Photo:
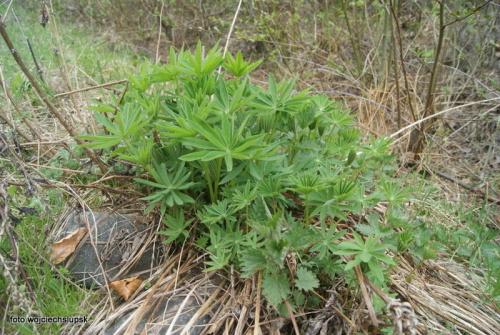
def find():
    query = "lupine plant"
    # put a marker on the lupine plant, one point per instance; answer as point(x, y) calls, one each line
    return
point(274, 171)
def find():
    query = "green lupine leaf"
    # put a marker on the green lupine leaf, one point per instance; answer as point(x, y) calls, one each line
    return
point(100, 141)
point(352, 264)
point(233, 174)
point(174, 131)
point(149, 183)
point(177, 225)
point(229, 162)
point(248, 143)
point(102, 107)
point(211, 155)
point(384, 258)
point(365, 256)
point(209, 133)
point(194, 156)
point(169, 187)
point(376, 270)
point(237, 66)
point(358, 238)
point(326, 240)
point(151, 206)
point(218, 261)
point(110, 126)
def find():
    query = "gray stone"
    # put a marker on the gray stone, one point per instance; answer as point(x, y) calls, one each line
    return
point(119, 239)
point(166, 312)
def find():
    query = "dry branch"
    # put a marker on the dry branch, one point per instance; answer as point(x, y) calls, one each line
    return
point(44, 98)
point(116, 82)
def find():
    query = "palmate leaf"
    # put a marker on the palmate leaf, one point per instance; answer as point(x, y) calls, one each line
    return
point(393, 193)
point(326, 204)
point(198, 64)
point(217, 212)
point(237, 66)
point(169, 187)
point(140, 153)
point(378, 147)
point(128, 123)
point(369, 252)
point(279, 98)
point(220, 142)
point(326, 241)
point(219, 260)
point(229, 104)
point(165, 72)
point(306, 183)
point(179, 129)
point(242, 199)
point(337, 117)
point(374, 229)
point(376, 271)
point(177, 225)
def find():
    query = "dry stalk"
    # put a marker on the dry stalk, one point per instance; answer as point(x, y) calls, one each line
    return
point(292, 317)
point(157, 58)
point(366, 297)
point(116, 82)
point(226, 303)
point(246, 297)
point(349, 321)
point(43, 96)
point(396, 70)
point(433, 294)
point(417, 144)
point(416, 123)
point(8, 120)
point(401, 59)
point(256, 329)
point(63, 67)
point(202, 310)
point(181, 308)
point(139, 314)
point(231, 31)
point(61, 143)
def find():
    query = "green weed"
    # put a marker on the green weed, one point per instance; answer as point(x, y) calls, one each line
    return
point(244, 151)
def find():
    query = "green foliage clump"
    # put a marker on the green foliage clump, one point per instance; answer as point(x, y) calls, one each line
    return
point(270, 172)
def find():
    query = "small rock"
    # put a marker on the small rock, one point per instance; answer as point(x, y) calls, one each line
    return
point(164, 316)
point(118, 239)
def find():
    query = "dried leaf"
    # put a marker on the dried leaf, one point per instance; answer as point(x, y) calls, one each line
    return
point(63, 248)
point(126, 287)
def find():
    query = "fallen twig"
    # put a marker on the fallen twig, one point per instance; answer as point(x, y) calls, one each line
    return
point(45, 99)
point(91, 88)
